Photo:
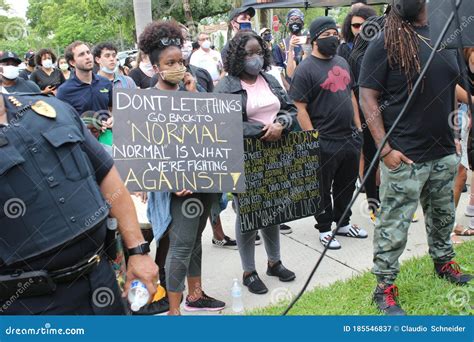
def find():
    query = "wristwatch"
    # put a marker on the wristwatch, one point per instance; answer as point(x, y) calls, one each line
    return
point(142, 249)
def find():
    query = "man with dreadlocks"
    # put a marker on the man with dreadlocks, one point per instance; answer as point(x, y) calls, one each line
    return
point(419, 161)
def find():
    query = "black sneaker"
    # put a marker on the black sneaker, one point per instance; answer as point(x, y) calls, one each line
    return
point(280, 271)
point(284, 229)
point(258, 240)
point(385, 297)
point(226, 243)
point(254, 283)
point(452, 273)
point(205, 303)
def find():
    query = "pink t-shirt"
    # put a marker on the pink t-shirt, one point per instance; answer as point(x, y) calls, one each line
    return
point(262, 105)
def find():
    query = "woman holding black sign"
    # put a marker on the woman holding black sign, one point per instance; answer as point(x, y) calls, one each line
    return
point(182, 215)
point(267, 113)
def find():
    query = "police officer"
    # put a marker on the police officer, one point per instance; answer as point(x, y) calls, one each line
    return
point(57, 188)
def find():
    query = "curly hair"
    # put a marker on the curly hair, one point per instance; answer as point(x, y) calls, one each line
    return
point(43, 52)
point(234, 63)
point(364, 12)
point(150, 41)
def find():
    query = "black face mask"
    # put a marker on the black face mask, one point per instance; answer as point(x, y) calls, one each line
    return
point(31, 62)
point(295, 27)
point(267, 37)
point(328, 46)
point(408, 9)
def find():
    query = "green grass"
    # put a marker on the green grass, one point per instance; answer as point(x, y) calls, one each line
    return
point(421, 292)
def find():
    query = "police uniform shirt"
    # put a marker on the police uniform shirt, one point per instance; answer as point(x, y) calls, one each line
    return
point(84, 97)
point(100, 160)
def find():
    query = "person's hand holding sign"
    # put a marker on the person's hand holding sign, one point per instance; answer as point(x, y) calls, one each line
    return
point(183, 193)
point(272, 132)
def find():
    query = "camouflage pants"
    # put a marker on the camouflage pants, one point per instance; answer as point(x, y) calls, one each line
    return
point(431, 183)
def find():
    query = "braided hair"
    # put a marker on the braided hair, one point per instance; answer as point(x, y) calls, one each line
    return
point(401, 43)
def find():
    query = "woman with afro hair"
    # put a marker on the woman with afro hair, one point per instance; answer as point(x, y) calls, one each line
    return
point(267, 113)
point(352, 27)
point(162, 41)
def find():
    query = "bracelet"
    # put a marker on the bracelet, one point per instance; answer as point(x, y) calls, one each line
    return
point(386, 154)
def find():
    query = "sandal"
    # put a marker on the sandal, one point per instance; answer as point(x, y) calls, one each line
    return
point(461, 231)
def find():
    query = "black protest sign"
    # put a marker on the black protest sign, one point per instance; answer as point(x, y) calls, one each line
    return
point(283, 181)
point(171, 141)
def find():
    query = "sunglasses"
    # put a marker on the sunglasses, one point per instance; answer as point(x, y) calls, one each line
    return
point(170, 42)
point(357, 25)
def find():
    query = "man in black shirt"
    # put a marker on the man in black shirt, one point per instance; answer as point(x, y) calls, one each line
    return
point(419, 162)
point(30, 65)
point(322, 91)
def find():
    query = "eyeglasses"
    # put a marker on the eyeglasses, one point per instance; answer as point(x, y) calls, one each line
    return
point(170, 41)
point(357, 25)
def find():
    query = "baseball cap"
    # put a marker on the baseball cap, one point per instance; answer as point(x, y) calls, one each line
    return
point(235, 12)
point(6, 55)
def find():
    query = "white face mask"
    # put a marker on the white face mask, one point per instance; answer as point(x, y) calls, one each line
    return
point(206, 44)
point(63, 66)
point(187, 49)
point(147, 68)
point(48, 63)
point(11, 72)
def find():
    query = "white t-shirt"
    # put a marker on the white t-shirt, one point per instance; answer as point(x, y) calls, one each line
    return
point(211, 61)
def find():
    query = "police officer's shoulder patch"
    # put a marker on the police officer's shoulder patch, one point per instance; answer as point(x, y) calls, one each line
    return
point(44, 109)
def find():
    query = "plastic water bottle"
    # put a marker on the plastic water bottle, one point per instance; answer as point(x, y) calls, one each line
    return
point(138, 295)
point(237, 305)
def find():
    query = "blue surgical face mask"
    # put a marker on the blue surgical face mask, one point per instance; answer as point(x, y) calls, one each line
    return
point(245, 26)
point(109, 71)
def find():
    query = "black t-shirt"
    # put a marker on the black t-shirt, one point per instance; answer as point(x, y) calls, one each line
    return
point(23, 86)
point(44, 80)
point(344, 50)
point(140, 78)
point(326, 86)
point(25, 74)
point(424, 133)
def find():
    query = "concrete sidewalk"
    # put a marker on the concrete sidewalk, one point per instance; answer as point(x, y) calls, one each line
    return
point(300, 251)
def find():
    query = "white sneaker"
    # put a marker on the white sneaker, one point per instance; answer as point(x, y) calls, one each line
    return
point(325, 241)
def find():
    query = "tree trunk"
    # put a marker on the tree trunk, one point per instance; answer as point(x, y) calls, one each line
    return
point(192, 26)
point(142, 10)
point(264, 19)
